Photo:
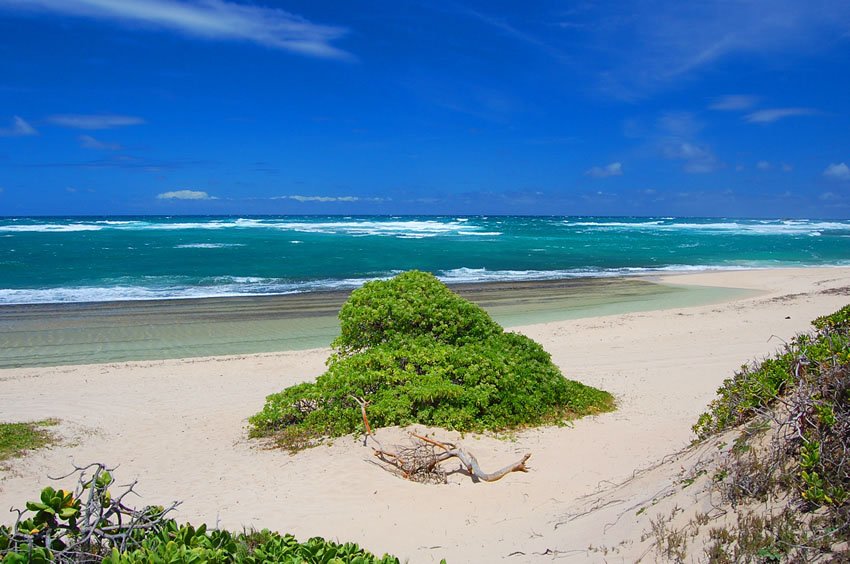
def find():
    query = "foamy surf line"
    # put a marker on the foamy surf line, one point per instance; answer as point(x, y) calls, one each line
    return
point(426, 227)
point(236, 286)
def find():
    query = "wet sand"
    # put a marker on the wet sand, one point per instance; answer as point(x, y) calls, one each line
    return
point(65, 334)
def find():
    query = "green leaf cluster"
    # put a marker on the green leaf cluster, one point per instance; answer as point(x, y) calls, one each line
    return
point(187, 545)
point(419, 353)
point(34, 539)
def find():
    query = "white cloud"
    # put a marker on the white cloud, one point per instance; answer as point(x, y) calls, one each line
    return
point(613, 169)
point(786, 167)
point(185, 195)
point(775, 114)
point(734, 102)
point(210, 19)
point(837, 171)
point(763, 165)
point(19, 128)
point(90, 142)
point(94, 121)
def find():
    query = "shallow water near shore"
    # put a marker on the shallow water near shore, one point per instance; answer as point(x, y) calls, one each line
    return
point(89, 333)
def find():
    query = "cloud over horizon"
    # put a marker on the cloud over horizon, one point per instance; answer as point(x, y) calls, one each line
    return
point(209, 19)
point(185, 195)
point(612, 169)
point(837, 171)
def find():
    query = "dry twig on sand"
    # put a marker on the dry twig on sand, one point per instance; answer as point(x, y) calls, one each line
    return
point(421, 460)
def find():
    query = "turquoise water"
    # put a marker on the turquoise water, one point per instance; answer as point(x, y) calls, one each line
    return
point(54, 260)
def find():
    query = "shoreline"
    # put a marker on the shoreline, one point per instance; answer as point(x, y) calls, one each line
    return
point(178, 426)
point(98, 332)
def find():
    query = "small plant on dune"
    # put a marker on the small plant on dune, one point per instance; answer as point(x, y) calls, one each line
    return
point(90, 524)
point(799, 402)
point(419, 353)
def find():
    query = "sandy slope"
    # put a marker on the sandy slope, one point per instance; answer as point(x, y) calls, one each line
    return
point(179, 428)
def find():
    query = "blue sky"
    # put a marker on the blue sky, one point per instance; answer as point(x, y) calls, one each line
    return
point(637, 107)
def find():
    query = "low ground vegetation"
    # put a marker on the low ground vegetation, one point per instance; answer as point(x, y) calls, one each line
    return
point(784, 479)
point(19, 438)
point(92, 523)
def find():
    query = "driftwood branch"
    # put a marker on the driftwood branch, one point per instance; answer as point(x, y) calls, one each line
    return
point(420, 461)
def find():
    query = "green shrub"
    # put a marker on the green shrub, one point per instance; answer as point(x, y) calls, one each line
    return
point(412, 304)
point(418, 353)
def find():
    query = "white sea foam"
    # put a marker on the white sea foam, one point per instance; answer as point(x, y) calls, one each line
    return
point(209, 245)
point(217, 287)
point(228, 286)
point(50, 228)
point(473, 275)
point(396, 227)
point(755, 227)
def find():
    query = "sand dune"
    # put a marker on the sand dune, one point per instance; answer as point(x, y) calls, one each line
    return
point(178, 426)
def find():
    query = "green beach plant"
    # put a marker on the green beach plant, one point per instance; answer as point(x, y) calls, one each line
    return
point(416, 352)
point(90, 524)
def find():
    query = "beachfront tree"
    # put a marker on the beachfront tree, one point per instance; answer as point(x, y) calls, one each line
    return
point(415, 352)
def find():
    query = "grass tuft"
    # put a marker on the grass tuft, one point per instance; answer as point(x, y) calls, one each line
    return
point(18, 438)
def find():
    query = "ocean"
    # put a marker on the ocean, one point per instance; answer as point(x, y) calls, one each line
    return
point(95, 259)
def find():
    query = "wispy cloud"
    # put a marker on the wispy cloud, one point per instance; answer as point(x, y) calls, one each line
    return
point(299, 198)
point(644, 46)
point(509, 30)
point(94, 121)
point(775, 114)
point(678, 133)
point(185, 195)
point(210, 19)
point(699, 159)
point(838, 171)
point(763, 165)
point(734, 102)
point(613, 169)
point(19, 128)
point(89, 142)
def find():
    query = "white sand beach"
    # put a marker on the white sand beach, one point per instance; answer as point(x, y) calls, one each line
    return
point(179, 428)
